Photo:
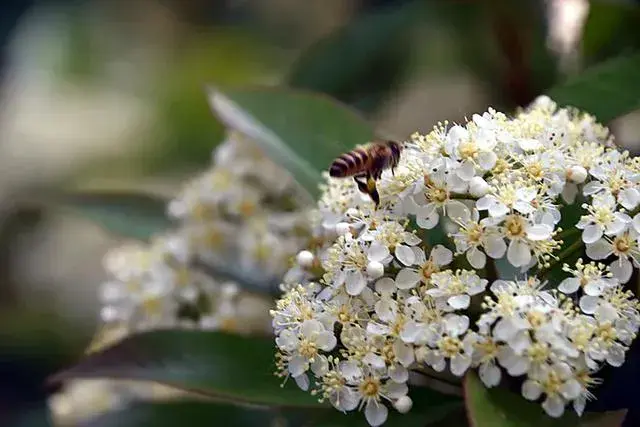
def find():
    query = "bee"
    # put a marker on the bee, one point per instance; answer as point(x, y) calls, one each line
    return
point(366, 163)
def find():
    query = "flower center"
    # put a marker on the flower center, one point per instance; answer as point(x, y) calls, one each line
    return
point(344, 315)
point(474, 233)
point(535, 171)
point(488, 349)
point(607, 333)
point(152, 306)
point(552, 384)
point(388, 354)
point(603, 215)
point(468, 150)
point(308, 348)
point(202, 212)
point(437, 195)
point(538, 352)
point(450, 346)
point(514, 226)
point(370, 388)
point(427, 270)
point(247, 208)
point(535, 318)
point(622, 245)
point(501, 166)
point(213, 238)
point(616, 184)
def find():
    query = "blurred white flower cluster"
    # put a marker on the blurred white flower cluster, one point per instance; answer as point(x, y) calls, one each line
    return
point(372, 299)
point(244, 216)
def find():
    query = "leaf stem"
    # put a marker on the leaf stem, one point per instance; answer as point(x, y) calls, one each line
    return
point(578, 244)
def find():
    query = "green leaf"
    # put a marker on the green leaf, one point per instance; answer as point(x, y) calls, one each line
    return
point(170, 414)
point(611, 28)
point(301, 131)
point(607, 90)
point(129, 214)
point(498, 407)
point(211, 363)
point(229, 368)
point(364, 61)
point(251, 280)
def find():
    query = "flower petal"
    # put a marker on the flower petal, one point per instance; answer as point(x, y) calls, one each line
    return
point(405, 254)
point(459, 364)
point(518, 253)
point(495, 246)
point(489, 374)
point(531, 390)
point(539, 232)
point(622, 269)
point(377, 252)
point(385, 285)
point(476, 258)
point(375, 413)
point(459, 302)
point(355, 283)
point(569, 285)
point(553, 406)
point(592, 233)
point(407, 278)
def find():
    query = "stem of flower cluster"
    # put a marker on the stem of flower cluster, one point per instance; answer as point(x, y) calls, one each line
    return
point(575, 246)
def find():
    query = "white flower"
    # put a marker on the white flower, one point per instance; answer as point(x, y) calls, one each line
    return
point(437, 197)
point(453, 291)
point(602, 219)
point(452, 344)
point(439, 257)
point(557, 383)
point(476, 237)
point(371, 390)
point(303, 347)
point(485, 353)
point(624, 246)
point(592, 278)
point(507, 198)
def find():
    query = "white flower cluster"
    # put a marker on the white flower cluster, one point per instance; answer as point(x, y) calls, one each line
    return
point(242, 212)
point(376, 294)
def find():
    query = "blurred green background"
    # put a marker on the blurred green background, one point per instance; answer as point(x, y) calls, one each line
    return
point(109, 94)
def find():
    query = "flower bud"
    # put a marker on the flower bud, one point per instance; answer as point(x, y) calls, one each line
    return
point(478, 187)
point(403, 404)
point(305, 259)
point(577, 174)
point(342, 228)
point(375, 269)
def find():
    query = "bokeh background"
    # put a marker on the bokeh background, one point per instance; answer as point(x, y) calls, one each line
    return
point(109, 94)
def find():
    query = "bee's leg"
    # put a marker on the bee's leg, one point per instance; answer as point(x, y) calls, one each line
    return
point(372, 190)
point(362, 185)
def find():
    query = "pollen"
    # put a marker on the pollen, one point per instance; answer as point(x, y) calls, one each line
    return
point(370, 388)
point(450, 346)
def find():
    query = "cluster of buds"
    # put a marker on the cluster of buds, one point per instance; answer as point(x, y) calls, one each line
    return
point(414, 283)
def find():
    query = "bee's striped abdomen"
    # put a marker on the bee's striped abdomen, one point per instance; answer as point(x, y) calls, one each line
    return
point(349, 163)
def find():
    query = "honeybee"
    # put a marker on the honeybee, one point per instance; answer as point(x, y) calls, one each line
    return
point(366, 163)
